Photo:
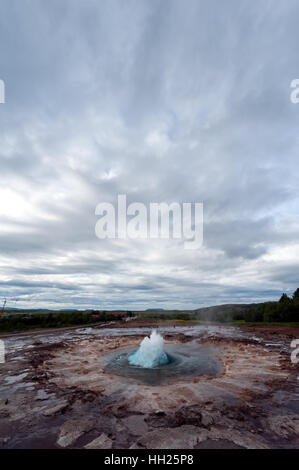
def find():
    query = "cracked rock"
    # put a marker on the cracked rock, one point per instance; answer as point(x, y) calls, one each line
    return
point(101, 442)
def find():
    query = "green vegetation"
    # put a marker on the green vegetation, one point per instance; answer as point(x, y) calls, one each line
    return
point(167, 315)
point(284, 311)
point(26, 320)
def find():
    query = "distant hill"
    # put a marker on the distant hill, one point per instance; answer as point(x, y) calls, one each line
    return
point(286, 309)
point(227, 311)
point(154, 309)
point(213, 313)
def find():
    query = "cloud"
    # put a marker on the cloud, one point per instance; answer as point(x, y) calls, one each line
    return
point(161, 101)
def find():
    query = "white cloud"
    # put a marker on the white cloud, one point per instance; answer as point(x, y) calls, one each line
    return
point(164, 102)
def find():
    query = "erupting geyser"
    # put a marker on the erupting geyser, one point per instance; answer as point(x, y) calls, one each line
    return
point(150, 353)
point(151, 364)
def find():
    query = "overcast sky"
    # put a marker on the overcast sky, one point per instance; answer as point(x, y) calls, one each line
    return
point(162, 100)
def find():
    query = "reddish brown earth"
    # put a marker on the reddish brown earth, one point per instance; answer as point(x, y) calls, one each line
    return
point(273, 331)
point(61, 395)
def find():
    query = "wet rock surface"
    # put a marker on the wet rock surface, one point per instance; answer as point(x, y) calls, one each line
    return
point(102, 442)
point(71, 430)
point(55, 392)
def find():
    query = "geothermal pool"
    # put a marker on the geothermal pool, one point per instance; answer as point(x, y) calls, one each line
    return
point(154, 363)
point(90, 387)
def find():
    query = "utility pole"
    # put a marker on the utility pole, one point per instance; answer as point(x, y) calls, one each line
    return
point(3, 307)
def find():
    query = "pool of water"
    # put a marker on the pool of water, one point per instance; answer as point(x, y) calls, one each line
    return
point(188, 359)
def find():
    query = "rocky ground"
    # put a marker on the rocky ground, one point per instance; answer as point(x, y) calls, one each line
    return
point(56, 392)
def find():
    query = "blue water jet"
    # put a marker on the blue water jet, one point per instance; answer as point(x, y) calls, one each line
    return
point(150, 353)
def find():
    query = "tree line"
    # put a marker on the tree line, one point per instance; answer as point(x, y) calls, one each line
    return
point(60, 319)
point(286, 309)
